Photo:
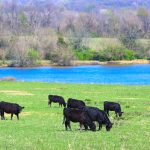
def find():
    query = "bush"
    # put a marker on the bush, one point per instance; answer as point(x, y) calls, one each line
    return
point(32, 56)
point(116, 54)
point(142, 52)
point(61, 54)
point(86, 54)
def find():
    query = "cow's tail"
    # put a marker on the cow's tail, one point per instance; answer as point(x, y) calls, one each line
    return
point(64, 120)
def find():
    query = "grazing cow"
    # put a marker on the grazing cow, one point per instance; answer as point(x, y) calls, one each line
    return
point(77, 115)
point(98, 115)
point(112, 106)
point(74, 103)
point(56, 99)
point(10, 108)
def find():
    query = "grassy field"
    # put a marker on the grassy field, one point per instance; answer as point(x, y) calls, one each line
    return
point(40, 127)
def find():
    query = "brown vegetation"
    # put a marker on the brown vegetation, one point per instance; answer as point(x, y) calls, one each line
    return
point(31, 33)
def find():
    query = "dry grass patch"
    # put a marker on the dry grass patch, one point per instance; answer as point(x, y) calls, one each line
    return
point(13, 92)
point(128, 98)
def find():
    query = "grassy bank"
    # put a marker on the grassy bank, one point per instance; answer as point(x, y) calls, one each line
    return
point(90, 62)
point(40, 127)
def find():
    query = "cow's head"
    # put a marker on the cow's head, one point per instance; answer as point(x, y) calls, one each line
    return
point(21, 108)
point(93, 127)
point(64, 104)
point(120, 114)
point(109, 126)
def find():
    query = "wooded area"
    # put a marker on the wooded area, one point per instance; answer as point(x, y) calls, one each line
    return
point(29, 33)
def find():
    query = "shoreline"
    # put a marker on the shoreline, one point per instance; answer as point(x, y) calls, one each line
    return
point(119, 62)
point(46, 63)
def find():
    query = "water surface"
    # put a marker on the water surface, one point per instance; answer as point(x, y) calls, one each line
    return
point(132, 74)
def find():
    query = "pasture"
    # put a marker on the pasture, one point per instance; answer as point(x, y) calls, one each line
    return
point(40, 127)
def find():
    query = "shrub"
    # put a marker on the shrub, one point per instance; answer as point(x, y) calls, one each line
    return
point(86, 53)
point(142, 52)
point(61, 54)
point(118, 53)
point(32, 56)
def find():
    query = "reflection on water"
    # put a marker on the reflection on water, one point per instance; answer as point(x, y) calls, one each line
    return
point(134, 74)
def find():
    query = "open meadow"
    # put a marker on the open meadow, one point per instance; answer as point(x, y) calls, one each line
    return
point(40, 127)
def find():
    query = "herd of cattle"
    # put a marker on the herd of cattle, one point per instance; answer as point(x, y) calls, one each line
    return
point(76, 111)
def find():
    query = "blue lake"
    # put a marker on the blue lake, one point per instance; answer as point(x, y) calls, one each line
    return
point(131, 75)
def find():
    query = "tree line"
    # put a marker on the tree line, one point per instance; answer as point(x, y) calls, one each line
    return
point(30, 33)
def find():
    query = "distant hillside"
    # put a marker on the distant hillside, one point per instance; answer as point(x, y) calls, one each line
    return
point(87, 5)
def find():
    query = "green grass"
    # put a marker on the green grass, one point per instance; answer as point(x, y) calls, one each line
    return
point(40, 127)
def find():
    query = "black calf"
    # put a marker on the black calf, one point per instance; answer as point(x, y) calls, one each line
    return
point(10, 108)
point(112, 106)
point(56, 99)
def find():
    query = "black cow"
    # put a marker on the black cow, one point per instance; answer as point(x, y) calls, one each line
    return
point(74, 103)
point(10, 108)
point(77, 115)
point(112, 106)
point(98, 115)
point(56, 99)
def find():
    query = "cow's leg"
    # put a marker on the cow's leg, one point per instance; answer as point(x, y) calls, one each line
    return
point(108, 113)
point(91, 125)
point(11, 116)
point(99, 122)
point(69, 125)
point(66, 125)
point(81, 124)
point(2, 115)
point(100, 125)
point(50, 104)
point(17, 116)
point(116, 114)
point(85, 126)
